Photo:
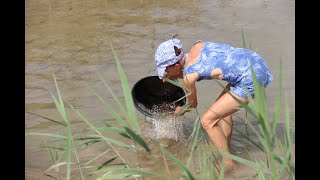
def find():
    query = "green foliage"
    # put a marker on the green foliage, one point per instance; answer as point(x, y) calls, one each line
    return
point(127, 131)
point(179, 163)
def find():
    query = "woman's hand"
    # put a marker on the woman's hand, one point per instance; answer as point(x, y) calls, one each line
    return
point(178, 111)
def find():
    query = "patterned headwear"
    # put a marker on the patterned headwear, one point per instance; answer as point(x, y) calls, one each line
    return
point(166, 56)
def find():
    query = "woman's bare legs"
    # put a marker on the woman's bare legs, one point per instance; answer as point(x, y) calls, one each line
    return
point(220, 133)
point(226, 123)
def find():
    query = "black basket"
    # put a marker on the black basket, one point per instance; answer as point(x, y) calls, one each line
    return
point(151, 92)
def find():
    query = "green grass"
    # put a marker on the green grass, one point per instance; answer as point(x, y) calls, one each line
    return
point(127, 137)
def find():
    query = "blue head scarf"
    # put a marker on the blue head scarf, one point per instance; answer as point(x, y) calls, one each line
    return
point(166, 56)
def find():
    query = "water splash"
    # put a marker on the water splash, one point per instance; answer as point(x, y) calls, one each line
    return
point(163, 109)
point(164, 127)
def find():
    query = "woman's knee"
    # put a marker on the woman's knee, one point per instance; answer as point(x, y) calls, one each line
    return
point(207, 121)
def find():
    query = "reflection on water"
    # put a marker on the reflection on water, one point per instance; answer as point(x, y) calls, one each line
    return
point(72, 40)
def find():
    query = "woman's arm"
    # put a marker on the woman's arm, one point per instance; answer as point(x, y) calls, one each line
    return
point(189, 82)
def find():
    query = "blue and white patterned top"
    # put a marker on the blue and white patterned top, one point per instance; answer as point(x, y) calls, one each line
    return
point(235, 66)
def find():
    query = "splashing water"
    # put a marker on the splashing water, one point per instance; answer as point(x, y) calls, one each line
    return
point(163, 109)
point(164, 127)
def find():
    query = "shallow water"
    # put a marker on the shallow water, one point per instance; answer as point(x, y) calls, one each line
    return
point(72, 40)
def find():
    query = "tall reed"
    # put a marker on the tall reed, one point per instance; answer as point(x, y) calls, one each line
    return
point(277, 152)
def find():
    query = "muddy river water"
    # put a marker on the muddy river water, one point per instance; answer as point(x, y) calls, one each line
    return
point(71, 38)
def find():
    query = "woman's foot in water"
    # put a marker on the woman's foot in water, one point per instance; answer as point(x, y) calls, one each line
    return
point(229, 165)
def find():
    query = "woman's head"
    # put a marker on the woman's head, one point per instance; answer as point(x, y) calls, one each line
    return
point(167, 54)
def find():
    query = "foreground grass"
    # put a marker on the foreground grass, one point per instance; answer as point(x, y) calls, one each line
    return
point(127, 137)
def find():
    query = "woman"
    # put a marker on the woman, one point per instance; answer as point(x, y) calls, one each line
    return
point(209, 60)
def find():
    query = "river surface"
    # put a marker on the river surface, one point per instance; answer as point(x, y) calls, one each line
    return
point(72, 40)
